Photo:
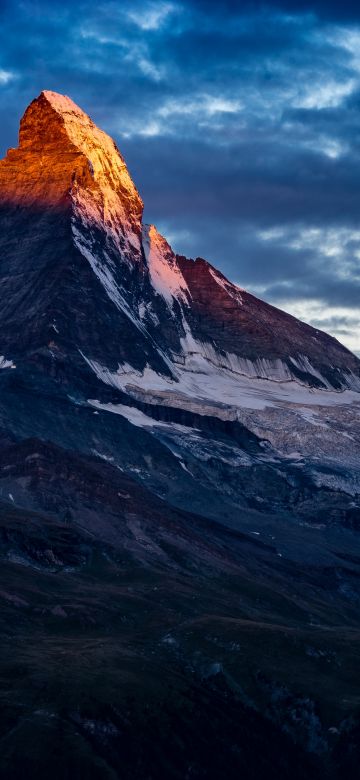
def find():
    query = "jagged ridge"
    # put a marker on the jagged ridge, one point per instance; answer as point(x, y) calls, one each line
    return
point(97, 286)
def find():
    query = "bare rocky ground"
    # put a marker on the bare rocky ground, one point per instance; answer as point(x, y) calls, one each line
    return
point(139, 640)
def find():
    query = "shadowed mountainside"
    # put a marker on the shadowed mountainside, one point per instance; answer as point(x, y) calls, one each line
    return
point(179, 496)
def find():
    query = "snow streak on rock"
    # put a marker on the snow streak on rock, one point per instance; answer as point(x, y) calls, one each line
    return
point(165, 275)
point(6, 363)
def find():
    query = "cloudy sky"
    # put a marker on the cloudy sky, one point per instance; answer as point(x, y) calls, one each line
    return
point(240, 123)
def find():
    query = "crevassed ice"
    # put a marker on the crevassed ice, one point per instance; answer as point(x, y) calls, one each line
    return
point(348, 379)
point(208, 383)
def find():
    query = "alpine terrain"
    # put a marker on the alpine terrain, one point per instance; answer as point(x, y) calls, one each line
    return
point(179, 495)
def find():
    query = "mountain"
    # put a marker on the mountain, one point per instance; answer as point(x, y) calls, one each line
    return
point(179, 494)
point(67, 191)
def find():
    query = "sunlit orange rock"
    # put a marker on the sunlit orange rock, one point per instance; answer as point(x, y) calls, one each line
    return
point(89, 284)
point(61, 151)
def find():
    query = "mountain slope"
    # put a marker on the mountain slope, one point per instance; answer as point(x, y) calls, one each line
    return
point(68, 191)
point(126, 622)
point(179, 495)
point(100, 317)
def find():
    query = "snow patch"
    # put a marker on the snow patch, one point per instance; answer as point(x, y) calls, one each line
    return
point(198, 354)
point(146, 313)
point(6, 363)
point(311, 417)
point(230, 288)
point(105, 274)
point(138, 418)
point(219, 387)
point(166, 277)
point(108, 458)
point(133, 415)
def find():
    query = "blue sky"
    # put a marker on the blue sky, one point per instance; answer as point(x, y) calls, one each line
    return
point(240, 123)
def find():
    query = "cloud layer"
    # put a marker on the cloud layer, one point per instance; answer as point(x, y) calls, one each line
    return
point(239, 122)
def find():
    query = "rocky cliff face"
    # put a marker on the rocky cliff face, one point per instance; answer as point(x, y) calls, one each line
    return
point(61, 151)
point(88, 283)
point(268, 342)
point(97, 308)
point(67, 198)
point(179, 495)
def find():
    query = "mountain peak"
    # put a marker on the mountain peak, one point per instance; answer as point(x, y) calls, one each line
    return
point(64, 160)
point(62, 103)
point(52, 115)
point(67, 192)
point(54, 125)
point(50, 122)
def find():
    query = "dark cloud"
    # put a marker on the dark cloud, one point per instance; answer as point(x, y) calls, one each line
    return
point(239, 122)
point(324, 9)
